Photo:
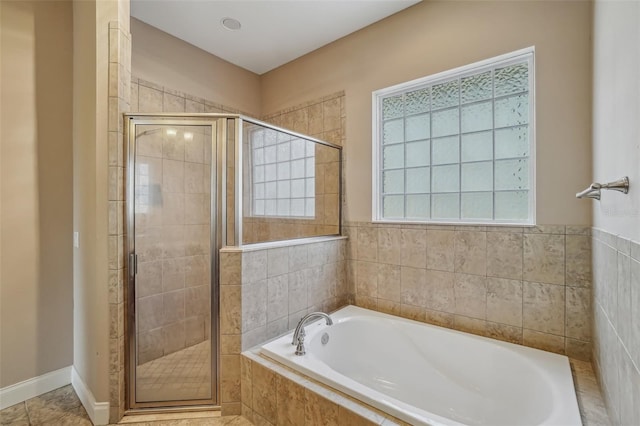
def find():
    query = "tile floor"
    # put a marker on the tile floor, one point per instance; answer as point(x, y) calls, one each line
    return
point(62, 407)
point(185, 374)
point(58, 407)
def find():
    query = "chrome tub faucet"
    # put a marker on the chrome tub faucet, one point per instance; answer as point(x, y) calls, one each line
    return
point(299, 334)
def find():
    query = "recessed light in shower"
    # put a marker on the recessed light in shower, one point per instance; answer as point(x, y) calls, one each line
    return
point(231, 24)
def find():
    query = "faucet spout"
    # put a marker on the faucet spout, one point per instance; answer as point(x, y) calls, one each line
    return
point(593, 191)
point(299, 333)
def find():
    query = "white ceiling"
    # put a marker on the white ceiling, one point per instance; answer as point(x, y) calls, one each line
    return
point(273, 32)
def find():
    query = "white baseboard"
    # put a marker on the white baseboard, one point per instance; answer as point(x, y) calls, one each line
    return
point(97, 411)
point(14, 394)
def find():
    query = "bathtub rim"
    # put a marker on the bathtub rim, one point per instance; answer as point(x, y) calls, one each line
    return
point(356, 406)
point(560, 363)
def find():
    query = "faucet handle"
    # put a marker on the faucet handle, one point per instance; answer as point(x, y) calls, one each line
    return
point(300, 350)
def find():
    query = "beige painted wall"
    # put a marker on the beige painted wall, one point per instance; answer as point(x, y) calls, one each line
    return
point(616, 108)
point(36, 283)
point(436, 36)
point(170, 62)
point(90, 184)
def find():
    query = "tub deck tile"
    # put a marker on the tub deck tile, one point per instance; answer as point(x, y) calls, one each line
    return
point(593, 410)
point(322, 405)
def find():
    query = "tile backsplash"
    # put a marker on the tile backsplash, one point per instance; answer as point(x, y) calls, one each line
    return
point(526, 285)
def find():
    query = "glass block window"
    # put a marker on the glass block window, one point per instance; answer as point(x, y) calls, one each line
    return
point(457, 146)
point(283, 174)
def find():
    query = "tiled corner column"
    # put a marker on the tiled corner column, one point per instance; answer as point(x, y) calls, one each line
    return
point(119, 98)
point(526, 285)
point(265, 291)
point(616, 324)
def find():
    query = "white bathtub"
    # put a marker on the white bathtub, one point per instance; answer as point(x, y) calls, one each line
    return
point(428, 375)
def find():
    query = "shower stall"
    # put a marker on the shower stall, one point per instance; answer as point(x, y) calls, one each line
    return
point(196, 183)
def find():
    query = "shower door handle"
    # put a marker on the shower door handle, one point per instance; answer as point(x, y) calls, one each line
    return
point(133, 264)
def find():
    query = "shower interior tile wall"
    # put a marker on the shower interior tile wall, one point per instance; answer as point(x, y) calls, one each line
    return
point(172, 242)
point(172, 236)
point(530, 286)
point(150, 97)
point(616, 350)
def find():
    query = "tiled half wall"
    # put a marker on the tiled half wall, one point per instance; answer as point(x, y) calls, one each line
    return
point(526, 285)
point(616, 337)
point(266, 291)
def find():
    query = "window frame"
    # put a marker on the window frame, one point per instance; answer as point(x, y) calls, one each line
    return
point(518, 56)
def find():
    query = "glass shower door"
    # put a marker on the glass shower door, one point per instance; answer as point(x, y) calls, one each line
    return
point(173, 347)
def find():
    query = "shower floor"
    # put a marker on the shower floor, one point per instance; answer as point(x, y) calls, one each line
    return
point(182, 375)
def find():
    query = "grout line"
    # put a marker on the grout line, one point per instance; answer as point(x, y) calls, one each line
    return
point(27, 411)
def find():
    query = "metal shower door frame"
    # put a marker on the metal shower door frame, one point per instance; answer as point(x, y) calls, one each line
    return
point(218, 124)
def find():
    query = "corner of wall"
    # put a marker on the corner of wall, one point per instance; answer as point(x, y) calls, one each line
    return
point(98, 411)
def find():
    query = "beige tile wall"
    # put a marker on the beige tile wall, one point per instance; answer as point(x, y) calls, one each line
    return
point(265, 292)
point(322, 119)
point(147, 96)
point(616, 324)
point(530, 285)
